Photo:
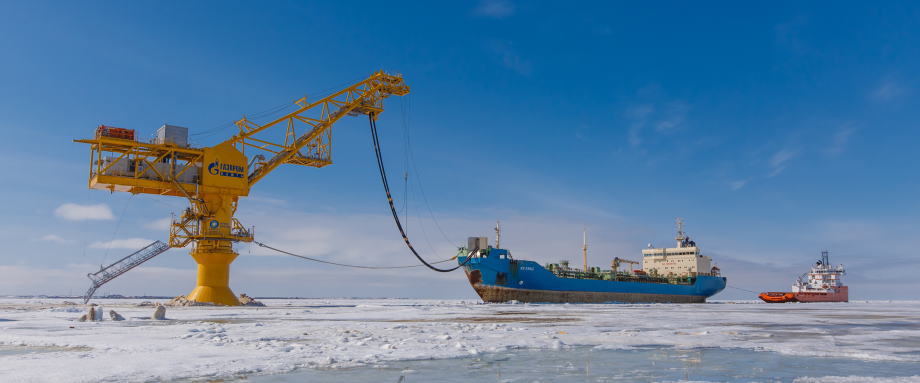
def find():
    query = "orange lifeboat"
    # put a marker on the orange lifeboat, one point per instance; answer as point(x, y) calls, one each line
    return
point(777, 297)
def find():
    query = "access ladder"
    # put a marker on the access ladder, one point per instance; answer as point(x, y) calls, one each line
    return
point(121, 266)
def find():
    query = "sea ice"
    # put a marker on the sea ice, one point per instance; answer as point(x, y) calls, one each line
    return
point(286, 335)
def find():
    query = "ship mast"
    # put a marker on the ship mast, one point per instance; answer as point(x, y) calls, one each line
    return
point(680, 232)
point(584, 248)
point(498, 234)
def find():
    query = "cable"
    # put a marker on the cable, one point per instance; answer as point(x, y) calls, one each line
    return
point(418, 177)
point(267, 112)
point(344, 264)
point(117, 226)
point(738, 288)
point(406, 166)
point(386, 188)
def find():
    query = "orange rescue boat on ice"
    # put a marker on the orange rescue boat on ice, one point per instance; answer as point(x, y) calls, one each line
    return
point(777, 297)
point(822, 284)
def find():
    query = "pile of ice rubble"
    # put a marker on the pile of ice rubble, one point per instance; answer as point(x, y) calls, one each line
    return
point(181, 300)
point(95, 312)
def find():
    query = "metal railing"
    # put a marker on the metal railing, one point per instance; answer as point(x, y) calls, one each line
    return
point(121, 266)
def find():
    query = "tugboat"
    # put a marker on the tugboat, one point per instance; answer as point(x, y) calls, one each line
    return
point(678, 274)
point(822, 284)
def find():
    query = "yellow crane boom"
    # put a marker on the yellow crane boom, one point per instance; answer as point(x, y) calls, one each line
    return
point(213, 178)
point(363, 98)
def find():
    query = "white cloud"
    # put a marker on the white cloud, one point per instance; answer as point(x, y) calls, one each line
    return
point(736, 185)
point(75, 212)
point(160, 224)
point(780, 159)
point(751, 261)
point(839, 141)
point(71, 280)
point(888, 90)
point(54, 238)
point(638, 115)
point(511, 59)
point(127, 243)
point(672, 117)
point(368, 239)
point(658, 117)
point(31, 280)
point(496, 9)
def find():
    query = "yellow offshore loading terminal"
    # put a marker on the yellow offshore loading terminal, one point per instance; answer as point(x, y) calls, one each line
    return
point(214, 178)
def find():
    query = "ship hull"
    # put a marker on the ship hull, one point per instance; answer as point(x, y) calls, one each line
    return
point(498, 294)
point(841, 295)
point(503, 279)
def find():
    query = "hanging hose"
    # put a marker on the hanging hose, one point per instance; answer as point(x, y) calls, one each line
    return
point(344, 264)
point(386, 188)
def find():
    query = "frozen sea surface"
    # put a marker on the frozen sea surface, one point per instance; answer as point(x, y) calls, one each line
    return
point(584, 364)
point(433, 340)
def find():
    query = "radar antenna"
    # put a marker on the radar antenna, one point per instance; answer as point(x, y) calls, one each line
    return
point(680, 232)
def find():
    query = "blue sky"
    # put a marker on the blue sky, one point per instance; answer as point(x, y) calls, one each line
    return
point(776, 131)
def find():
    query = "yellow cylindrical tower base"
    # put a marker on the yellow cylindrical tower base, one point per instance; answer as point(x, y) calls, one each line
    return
point(213, 285)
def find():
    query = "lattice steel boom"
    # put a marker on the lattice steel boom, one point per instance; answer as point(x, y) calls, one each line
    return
point(214, 178)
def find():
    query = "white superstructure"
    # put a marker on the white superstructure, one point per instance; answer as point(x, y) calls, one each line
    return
point(680, 261)
point(823, 278)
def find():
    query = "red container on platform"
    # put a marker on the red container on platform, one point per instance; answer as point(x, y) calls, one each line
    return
point(111, 131)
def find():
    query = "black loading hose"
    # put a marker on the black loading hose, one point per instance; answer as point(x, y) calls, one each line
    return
point(386, 188)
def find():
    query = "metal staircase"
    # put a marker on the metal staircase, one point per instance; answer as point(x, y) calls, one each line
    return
point(121, 266)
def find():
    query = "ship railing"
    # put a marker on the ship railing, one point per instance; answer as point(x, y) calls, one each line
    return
point(578, 274)
point(707, 274)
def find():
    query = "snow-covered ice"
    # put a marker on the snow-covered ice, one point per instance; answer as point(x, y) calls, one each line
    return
point(40, 339)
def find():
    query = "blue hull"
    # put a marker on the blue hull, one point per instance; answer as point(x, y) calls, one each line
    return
point(498, 278)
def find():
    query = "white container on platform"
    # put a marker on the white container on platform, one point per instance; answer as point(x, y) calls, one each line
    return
point(172, 134)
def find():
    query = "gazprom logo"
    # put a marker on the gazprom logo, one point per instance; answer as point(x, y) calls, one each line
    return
point(227, 170)
point(214, 168)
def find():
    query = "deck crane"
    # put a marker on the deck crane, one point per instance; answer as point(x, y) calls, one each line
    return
point(615, 264)
point(213, 179)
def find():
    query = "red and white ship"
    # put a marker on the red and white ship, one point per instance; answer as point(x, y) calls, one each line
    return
point(822, 284)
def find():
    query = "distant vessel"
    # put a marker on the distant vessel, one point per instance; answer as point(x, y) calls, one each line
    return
point(675, 275)
point(822, 284)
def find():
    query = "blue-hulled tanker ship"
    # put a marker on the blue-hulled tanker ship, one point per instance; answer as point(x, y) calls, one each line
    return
point(667, 275)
